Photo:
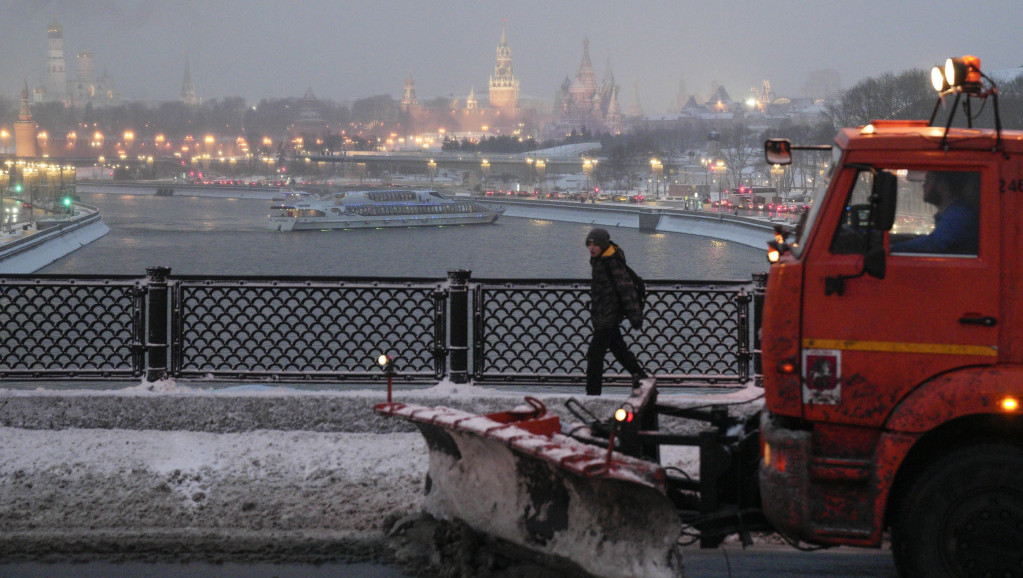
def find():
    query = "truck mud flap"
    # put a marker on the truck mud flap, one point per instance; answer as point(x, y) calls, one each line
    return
point(514, 476)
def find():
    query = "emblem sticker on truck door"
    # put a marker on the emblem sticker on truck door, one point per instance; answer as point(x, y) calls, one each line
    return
point(822, 376)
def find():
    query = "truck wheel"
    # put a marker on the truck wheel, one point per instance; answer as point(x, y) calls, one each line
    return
point(963, 516)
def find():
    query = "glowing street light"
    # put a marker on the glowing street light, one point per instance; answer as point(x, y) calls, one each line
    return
point(658, 169)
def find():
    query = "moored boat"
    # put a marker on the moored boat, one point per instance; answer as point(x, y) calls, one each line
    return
point(299, 210)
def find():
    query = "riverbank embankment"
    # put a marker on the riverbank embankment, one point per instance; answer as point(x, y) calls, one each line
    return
point(34, 246)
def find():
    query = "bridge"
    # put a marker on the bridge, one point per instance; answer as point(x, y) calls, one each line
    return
point(526, 167)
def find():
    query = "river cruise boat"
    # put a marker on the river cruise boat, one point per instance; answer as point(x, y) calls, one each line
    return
point(301, 211)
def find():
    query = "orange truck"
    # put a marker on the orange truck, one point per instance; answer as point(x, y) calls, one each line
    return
point(892, 368)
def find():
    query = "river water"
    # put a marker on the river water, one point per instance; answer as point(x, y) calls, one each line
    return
point(217, 236)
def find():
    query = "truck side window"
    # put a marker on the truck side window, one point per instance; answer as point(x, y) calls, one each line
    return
point(938, 212)
point(852, 232)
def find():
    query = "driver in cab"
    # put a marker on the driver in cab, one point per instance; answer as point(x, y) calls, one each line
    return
point(957, 223)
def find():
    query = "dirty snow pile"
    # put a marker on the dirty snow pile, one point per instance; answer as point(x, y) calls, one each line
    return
point(259, 494)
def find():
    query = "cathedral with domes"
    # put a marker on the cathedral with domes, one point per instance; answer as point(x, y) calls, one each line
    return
point(584, 105)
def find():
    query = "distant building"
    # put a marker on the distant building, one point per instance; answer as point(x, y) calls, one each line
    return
point(56, 86)
point(310, 122)
point(720, 102)
point(188, 97)
point(409, 100)
point(822, 84)
point(499, 114)
point(582, 104)
point(504, 87)
point(86, 88)
point(25, 129)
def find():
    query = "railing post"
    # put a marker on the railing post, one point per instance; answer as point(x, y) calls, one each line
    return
point(759, 291)
point(458, 345)
point(156, 338)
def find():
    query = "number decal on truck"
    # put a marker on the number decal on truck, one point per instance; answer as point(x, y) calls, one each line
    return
point(1011, 185)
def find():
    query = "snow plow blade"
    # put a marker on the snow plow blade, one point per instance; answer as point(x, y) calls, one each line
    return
point(514, 476)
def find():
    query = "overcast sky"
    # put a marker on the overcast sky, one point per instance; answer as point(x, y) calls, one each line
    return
point(345, 50)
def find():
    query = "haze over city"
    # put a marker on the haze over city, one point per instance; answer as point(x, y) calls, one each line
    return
point(260, 49)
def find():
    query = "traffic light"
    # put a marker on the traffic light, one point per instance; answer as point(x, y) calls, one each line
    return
point(17, 188)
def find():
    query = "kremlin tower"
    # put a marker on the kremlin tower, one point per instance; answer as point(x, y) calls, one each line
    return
point(24, 129)
point(504, 87)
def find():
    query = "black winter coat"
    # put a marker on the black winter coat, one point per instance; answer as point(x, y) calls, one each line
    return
point(613, 296)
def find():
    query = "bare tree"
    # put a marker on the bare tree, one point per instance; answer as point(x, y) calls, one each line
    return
point(889, 96)
point(738, 150)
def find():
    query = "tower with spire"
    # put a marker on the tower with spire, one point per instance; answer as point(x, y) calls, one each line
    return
point(504, 87)
point(188, 97)
point(25, 129)
point(408, 99)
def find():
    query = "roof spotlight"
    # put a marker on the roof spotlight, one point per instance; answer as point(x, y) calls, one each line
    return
point(963, 73)
point(938, 80)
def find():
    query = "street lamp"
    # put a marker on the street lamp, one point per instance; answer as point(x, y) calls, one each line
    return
point(541, 172)
point(484, 170)
point(431, 168)
point(657, 168)
point(776, 173)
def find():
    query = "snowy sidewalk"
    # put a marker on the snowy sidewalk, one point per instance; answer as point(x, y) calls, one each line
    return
point(252, 472)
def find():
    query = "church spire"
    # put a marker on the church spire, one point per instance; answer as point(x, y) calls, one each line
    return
point(409, 98)
point(587, 77)
point(24, 113)
point(187, 87)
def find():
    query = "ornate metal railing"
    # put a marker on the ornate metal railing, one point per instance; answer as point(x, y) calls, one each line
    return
point(71, 327)
point(305, 330)
point(538, 331)
point(289, 329)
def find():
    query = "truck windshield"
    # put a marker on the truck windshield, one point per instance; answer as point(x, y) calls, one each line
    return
point(823, 168)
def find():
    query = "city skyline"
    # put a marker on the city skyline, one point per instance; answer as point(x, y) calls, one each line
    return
point(262, 50)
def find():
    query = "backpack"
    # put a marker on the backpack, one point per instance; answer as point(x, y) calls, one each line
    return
point(640, 286)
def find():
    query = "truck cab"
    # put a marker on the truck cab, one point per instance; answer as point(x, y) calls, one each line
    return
point(892, 351)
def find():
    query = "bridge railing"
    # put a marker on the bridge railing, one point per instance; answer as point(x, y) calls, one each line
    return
point(331, 330)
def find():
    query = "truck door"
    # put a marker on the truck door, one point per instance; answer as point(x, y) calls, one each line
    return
point(867, 341)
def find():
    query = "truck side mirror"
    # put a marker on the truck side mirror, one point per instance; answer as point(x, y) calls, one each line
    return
point(874, 261)
point(883, 196)
point(778, 151)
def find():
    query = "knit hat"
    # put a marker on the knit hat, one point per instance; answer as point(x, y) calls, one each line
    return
point(600, 238)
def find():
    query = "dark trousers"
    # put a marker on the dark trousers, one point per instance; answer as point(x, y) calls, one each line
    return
point(604, 339)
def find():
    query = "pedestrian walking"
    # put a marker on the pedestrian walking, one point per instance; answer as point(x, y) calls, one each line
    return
point(613, 298)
